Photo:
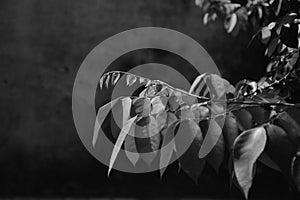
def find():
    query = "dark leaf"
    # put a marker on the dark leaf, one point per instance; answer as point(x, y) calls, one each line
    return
point(280, 149)
point(290, 126)
point(189, 133)
point(141, 106)
point(230, 131)
point(244, 119)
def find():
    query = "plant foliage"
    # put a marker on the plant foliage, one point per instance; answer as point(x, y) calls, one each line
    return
point(255, 128)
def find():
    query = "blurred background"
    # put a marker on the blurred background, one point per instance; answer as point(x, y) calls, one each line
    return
point(42, 45)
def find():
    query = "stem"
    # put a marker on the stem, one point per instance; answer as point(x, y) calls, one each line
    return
point(208, 100)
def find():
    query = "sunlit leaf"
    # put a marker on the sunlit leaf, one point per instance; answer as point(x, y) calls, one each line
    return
point(115, 78)
point(107, 81)
point(230, 23)
point(158, 104)
point(124, 132)
point(130, 79)
point(247, 148)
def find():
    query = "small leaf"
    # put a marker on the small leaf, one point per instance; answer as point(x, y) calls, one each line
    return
point(101, 115)
point(101, 82)
point(189, 133)
point(142, 80)
point(205, 18)
point(230, 23)
point(247, 148)
point(158, 104)
point(141, 106)
point(272, 46)
point(265, 35)
point(107, 81)
point(125, 130)
point(130, 79)
point(115, 78)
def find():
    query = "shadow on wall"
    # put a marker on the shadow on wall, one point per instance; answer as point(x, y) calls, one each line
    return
point(42, 46)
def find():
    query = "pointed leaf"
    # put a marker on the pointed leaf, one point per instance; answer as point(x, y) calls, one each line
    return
point(189, 132)
point(115, 78)
point(130, 147)
point(130, 79)
point(101, 82)
point(107, 80)
point(167, 148)
point(124, 132)
point(280, 149)
point(247, 148)
point(101, 115)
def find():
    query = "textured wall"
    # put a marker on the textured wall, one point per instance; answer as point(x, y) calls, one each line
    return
point(42, 44)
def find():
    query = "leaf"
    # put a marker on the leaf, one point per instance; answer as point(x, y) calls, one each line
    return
point(168, 147)
point(173, 104)
point(290, 126)
point(272, 46)
point(189, 133)
point(230, 131)
point(247, 148)
point(141, 106)
point(216, 156)
point(266, 160)
point(120, 113)
point(205, 18)
point(289, 36)
point(212, 136)
point(280, 149)
point(295, 167)
point(230, 23)
point(101, 115)
point(158, 104)
point(265, 35)
point(244, 119)
point(142, 80)
point(130, 146)
point(259, 114)
point(115, 78)
point(161, 119)
point(101, 81)
point(130, 79)
point(107, 81)
point(147, 139)
point(124, 132)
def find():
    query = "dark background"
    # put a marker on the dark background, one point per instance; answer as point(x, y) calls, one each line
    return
point(42, 45)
